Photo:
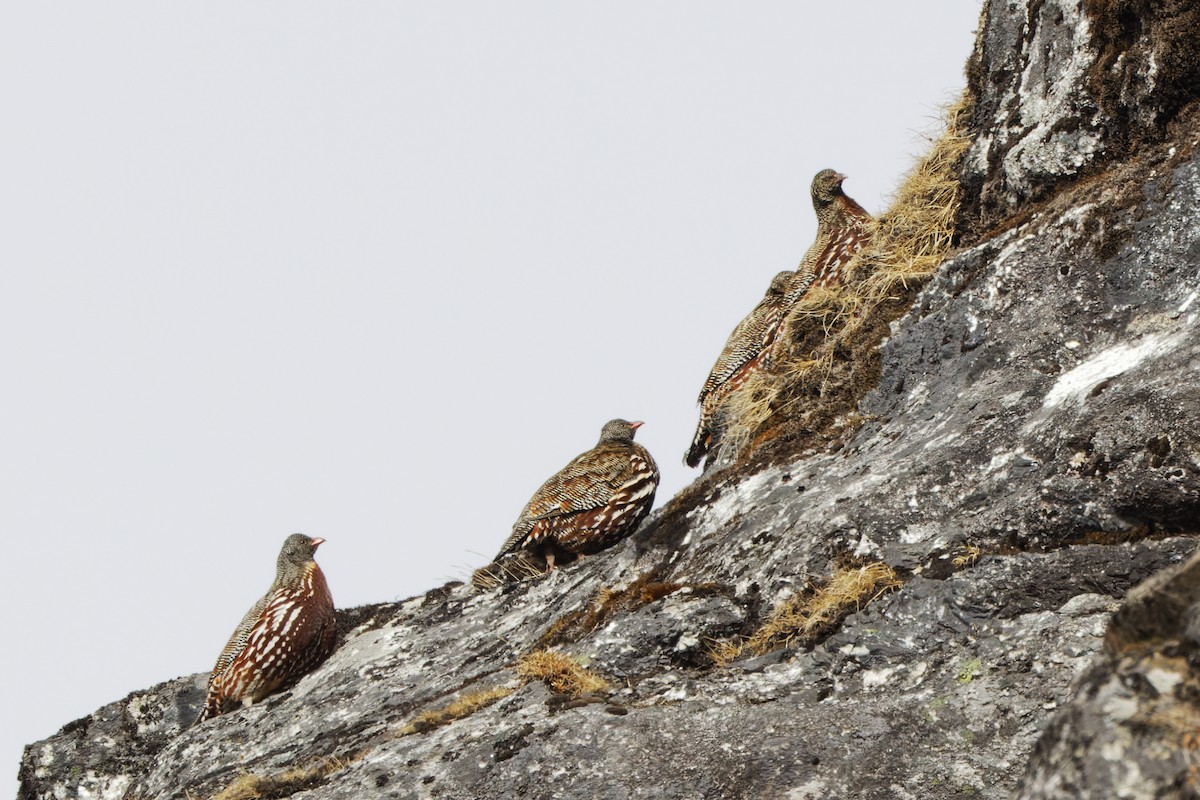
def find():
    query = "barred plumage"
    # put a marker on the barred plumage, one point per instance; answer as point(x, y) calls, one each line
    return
point(283, 637)
point(843, 228)
point(740, 359)
point(595, 501)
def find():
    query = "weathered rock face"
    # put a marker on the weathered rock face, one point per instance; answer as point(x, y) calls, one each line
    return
point(1062, 86)
point(1031, 453)
point(1133, 727)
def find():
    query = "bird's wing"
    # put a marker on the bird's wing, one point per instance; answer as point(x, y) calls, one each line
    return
point(241, 635)
point(749, 338)
point(835, 244)
point(590, 481)
point(806, 273)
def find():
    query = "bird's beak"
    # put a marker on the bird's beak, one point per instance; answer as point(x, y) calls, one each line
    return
point(317, 543)
point(840, 177)
point(636, 425)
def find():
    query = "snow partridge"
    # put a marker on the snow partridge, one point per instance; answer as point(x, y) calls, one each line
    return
point(740, 359)
point(286, 635)
point(843, 227)
point(592, 503)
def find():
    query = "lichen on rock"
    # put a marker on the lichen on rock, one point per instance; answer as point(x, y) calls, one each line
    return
point(1026, 453)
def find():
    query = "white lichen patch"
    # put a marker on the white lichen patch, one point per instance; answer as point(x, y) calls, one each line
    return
point(918, 533)
point(866, 547)
point(814, 789)
point(1048, 93)
point(918, 395)
point(146, 712)
point(97, 787)
point(967, 775)
point(1000, 279)
point(1074, 385)
point(916, 674)
point(1088, 604)
point(873, 678)
point(733, 500)
point(1043, 123)
point(675, 694)
point(1074, 217)
point(862, 485)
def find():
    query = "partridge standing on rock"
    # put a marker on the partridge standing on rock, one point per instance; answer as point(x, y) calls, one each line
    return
point(591, 503)
point(282, 638)
point(740, 359)
point(843, 227)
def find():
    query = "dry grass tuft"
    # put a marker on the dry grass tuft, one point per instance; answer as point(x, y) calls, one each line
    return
point(517, 567)
point(827, 354)
point(913, 237)
point(560, 672)
point(748, 410)
point(725, 653)
point(250, 786)
point(244, 787)
point(464, 706)
point(967, 557)
point(814, 612)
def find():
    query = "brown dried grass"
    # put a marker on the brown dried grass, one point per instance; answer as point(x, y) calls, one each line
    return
point(250, 786)
point(827, 351)
point(464, 706)
point(967, 556)
point(516, 567)
point(814, 612)
point(560, 672)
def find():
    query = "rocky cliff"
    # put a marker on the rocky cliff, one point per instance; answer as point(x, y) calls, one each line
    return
point(921, 607)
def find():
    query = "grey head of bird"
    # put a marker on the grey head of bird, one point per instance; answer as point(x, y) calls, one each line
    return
point(297, 552)
point(780, 283)
point(618, 430)
point(826, 189)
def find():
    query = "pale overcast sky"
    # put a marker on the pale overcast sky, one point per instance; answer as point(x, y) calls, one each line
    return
point(372, 272)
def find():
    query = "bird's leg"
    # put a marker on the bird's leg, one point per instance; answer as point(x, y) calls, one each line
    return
point(549, 562)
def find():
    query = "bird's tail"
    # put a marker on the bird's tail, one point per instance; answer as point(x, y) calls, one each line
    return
point(700, 442)
point(213, 707)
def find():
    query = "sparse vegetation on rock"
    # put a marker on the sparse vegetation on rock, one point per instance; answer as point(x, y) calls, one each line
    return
point(1013, 433)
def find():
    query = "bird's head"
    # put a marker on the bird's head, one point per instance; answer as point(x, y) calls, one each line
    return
point(826, 188)
point(618, 430)
point(780, 283)
point(297, 552)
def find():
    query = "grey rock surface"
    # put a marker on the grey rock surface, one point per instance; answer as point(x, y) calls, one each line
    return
point(1132, 729)
point(1030, 454)
point(1063, 87)
point(1037, 111)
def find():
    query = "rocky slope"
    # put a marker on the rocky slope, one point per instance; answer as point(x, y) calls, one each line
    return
point(1030, 453)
